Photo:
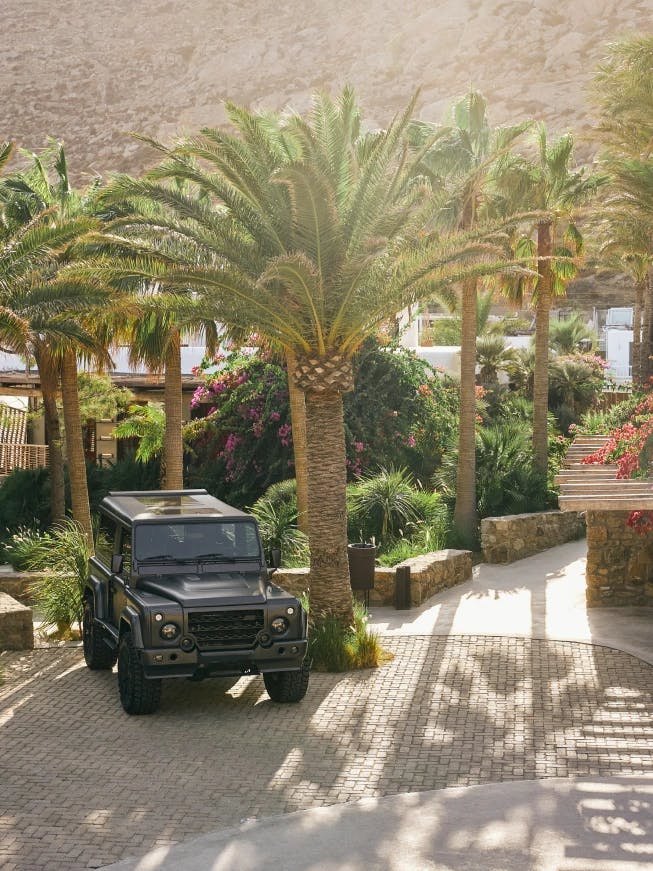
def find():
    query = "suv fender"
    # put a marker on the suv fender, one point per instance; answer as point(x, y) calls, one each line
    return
point(129, 621)
point(94, 592)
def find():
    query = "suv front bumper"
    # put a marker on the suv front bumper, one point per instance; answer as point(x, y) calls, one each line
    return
point(174, 662)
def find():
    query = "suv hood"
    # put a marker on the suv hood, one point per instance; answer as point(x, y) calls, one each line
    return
point(206, 590)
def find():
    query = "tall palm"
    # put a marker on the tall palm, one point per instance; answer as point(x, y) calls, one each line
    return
point(155, 338)
point(623, 93)
point(462, 159)
point(549, 185)
point(305, 231)
point(46, 219)
point(627, 245)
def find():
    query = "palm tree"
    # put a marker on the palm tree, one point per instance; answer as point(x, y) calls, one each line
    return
point(463, 158)
point(155, 337)
point(571, 335)
point(44, 222)
point(623, 95)
point(305, 231)
point(492, 357)
point(548, 185)
point(627, 245)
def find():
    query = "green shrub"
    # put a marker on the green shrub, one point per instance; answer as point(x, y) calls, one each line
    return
point(600, 422)
point(276, 513)
point(382, 504)
point(506, 480)
point(21, 547)
point(25, 500)
point(62, 556)
point(333, 647)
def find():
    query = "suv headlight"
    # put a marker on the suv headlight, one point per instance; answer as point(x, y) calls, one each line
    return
point(279, 625)
point(169, 631)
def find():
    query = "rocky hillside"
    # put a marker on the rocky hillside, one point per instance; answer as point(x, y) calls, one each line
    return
point(88, 71)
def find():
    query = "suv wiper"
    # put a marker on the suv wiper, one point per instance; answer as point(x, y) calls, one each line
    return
point(167, 558)
point(223, 556)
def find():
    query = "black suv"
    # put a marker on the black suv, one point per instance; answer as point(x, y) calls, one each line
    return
point(179, 587)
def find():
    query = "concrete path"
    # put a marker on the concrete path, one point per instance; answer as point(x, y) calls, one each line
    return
point(585, 821)
point(550, 825)
point(539, 597)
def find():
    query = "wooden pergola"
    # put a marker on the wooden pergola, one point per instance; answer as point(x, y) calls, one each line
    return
point(590, 487)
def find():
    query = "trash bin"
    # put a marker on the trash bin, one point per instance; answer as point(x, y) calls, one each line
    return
point(362, 559)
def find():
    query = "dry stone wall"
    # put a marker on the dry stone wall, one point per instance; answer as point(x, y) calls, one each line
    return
point(16, 631)
point(511, 538)
point(619, 561)
point(429, 574)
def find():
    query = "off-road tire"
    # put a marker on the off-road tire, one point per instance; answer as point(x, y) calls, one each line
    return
point(99, 656)
point(287, 686)
point(138, 694)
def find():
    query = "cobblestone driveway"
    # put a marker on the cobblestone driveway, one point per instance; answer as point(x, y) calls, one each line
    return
point(82, 784)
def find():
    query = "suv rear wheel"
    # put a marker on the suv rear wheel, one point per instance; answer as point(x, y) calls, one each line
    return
point(287, 686)
point(97, 652)
point(138, 694)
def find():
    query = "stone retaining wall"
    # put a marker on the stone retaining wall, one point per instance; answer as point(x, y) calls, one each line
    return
point(619, 561)
point(429, 574)
point(16, 585)
point(16, 630)
point(511, 538)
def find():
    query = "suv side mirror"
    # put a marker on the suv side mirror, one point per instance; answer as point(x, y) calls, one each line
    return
point(275, 557)
point(116, 563)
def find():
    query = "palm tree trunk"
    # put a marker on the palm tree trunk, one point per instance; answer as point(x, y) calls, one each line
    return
point(75, 445)
point(330, 590)
point(49, 378)
point(465, 514)
point(173, 448)
point(298, 422)
point(637, 333)
point(541, 368)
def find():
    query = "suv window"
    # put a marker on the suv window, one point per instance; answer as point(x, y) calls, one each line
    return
point(105, 540)
point(196, 541)
point(125, 548)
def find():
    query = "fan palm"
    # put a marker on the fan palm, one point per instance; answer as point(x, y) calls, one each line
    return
point(306, 231)
point(571, 335)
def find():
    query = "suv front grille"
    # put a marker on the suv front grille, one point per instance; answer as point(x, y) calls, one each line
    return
point(217, 629)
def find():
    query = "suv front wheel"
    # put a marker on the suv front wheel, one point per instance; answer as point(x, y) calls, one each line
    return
point(138, 694)
point(97, 653)
point(287, 686)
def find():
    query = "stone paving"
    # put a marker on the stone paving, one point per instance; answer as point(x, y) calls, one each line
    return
point(83, 785)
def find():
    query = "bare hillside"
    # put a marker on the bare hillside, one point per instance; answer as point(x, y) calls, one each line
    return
point(88, 71)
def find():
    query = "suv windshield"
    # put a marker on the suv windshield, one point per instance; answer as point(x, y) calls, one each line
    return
point(201, 541)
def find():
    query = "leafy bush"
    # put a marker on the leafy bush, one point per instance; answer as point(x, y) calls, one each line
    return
point(244, 444)
point(575, 383)
point(400, 413)
point(25, 500)
point(506, 481)
point(600, 422)
point(276, 513)
point(62, 555)
point(19, 550)
point(333, 647)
